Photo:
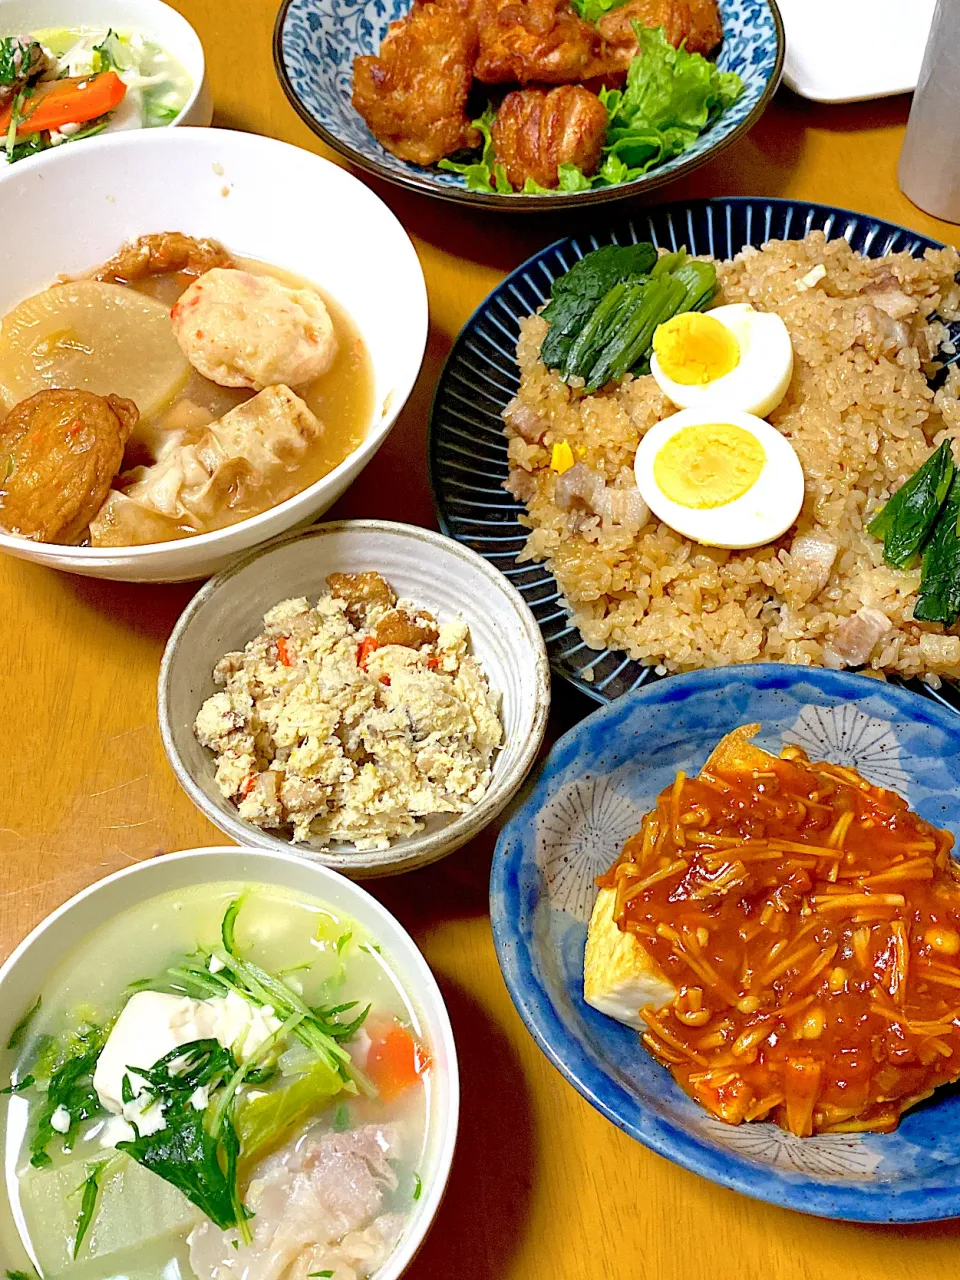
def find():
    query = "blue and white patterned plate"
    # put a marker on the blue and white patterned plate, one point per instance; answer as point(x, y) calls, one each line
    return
point(589, 796)
point(467, 447)
point(316, 41)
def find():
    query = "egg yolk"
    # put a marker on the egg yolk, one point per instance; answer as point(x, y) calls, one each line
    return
point(708, 465)
point(694, 349)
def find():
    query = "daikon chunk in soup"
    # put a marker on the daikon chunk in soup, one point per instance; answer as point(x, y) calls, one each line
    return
point(175, 390)
point(224, 1083)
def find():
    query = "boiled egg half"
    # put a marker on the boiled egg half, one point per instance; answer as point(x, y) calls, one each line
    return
point(720, 477)
point(733, 355)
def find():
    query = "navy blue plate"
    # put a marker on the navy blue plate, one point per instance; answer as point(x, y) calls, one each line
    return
point(467, 448)
point(597, 782)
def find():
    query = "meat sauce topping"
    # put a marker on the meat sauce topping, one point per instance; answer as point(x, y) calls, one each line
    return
point(810, 923)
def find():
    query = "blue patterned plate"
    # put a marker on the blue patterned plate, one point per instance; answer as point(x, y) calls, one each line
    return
point(316, 41)
point(589, 796)
point(467, 448)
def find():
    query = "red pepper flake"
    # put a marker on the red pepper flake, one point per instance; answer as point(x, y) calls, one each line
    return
point(284, 653)
point(247, 785)
point(364, 650)
point(434, 663)
point(385, 680)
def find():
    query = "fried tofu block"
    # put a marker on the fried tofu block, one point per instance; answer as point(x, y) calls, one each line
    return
point(735, 753)
point(620, 977)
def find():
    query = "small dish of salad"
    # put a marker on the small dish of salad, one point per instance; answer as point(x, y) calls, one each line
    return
point(63, 84)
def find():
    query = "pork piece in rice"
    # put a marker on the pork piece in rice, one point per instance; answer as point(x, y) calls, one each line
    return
point(862, 417)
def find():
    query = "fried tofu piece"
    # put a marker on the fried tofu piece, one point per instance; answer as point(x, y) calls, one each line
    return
point(735, 753)
point(536, 130)
point(60, 451)
point(413, 96)
point(696, 22)
point(620, 977)
point(362, 591)
point(535, 40)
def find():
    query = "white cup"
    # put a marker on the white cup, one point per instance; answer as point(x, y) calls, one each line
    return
point(929, 168)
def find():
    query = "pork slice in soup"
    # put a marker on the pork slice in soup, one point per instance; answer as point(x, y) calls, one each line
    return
point(236, 1079)
point(190, 334)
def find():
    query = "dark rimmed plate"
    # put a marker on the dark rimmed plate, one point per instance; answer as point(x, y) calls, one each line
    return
point(316, 41)
point(467, 448)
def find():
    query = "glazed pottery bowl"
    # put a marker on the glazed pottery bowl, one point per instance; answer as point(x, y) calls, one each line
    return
point(151, 17)
point(425, 567)
point(596, 785)
point(316, 41)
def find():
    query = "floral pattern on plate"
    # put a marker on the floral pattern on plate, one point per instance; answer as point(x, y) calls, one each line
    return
point(316, 41)
point(589, 795)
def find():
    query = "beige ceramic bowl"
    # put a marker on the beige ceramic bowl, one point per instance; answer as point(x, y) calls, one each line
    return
point(436, 572)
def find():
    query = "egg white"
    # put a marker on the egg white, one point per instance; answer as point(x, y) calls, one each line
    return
point(763, 513)
point(763, 373)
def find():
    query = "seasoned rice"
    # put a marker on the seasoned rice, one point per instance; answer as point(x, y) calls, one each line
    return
point(861, 419)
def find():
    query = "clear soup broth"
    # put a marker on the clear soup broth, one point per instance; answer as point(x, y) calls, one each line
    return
point(348, 1148)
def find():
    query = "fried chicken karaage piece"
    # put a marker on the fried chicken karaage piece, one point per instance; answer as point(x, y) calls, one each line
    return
point(60, 451)
point(538, 129)
point(413, 96)
point(522, 41)
point(695, 21)
point(163, 254)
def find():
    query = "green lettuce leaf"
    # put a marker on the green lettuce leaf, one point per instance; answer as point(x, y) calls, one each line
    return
point(670, 97)
point(484, 174)
point(594, 10)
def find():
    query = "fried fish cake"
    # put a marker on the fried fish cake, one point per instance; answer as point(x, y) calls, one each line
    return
point(536, 130)
point(59, 452)
point(163, 254)
point(413, 96)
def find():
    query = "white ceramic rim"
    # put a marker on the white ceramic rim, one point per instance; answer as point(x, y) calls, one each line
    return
point(49, 553)
point(191, 48)
point(429, 846)
point(429, 1204)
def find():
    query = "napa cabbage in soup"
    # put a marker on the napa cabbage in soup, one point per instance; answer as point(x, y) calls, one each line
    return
point(223, 1083)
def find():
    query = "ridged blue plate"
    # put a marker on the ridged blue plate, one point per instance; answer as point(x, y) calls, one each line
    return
point(467, 448)
point(589, 797)
point(316, 41)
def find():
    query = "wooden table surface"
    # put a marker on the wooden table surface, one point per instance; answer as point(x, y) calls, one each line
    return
point(542, 1186)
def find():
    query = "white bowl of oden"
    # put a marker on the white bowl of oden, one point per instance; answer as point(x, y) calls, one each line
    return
point(222, 1064)
point(367, 694)
point(184, 373)
point(129, 64)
